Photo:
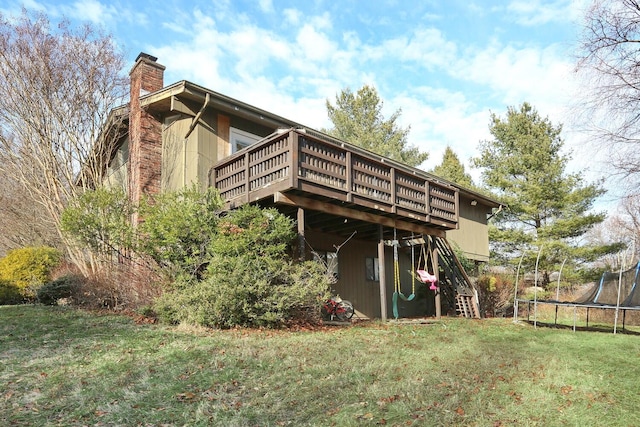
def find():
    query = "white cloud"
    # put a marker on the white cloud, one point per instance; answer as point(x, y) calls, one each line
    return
point(441, 118)
point(314, 45)
point(537, 12)
point(14, 10)
point(92, 11)
point(322, 22)
point(538, 75)
point(292, 16)
point(266, 6)
point(32, 5)
point(429, 47)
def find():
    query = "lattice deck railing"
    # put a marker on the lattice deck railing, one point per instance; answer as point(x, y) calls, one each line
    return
point(312, 163)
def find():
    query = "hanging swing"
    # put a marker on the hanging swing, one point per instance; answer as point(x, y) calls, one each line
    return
point(423, 274)
point(396, 278)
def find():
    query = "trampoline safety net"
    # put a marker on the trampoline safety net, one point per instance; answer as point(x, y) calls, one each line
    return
point(605, 292)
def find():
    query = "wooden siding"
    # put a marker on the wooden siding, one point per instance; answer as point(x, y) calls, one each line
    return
point(207, 153)
point(173, 154)
point(472, 237)
point(353, 285)
point(188, 161)
point(223, 128)
point(297, 161)
point(117, 172)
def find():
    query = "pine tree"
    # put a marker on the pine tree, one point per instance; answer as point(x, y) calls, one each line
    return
point(547, 207)
point(357, 118)
point(452, 169)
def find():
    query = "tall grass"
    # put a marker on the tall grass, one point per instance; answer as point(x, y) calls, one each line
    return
point(67, 367)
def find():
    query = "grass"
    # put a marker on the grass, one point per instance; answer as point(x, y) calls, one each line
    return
point(60, 366)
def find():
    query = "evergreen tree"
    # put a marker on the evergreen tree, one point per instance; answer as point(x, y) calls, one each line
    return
point(547, 207)
point(453, 170)
point(357, 118)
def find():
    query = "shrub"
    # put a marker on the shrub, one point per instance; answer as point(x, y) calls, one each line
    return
point(171, 241)
point(253, 231)
point(29, 268)
point(9, 293)
point(177, 229)
point(62, 287)
point(251, 294)
point(468, 265)
point(118, 287)
point(101, 221)
point(539, 295)
point(250, 281)
point(495, 293)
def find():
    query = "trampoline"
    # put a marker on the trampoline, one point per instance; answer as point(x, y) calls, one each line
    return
point(614, 291)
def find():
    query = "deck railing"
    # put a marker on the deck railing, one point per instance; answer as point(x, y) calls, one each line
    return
point(313, 163)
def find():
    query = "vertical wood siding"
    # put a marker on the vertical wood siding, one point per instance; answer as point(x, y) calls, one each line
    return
point(365, 294)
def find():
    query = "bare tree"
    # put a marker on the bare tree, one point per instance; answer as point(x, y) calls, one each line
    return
point(58, 86)
point(626, 223)
point(621, 229)
point(609, 62)
point(22, 223)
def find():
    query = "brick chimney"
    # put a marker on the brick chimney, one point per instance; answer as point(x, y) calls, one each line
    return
point(145, 130)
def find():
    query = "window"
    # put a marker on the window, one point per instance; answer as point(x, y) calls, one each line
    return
point(372, 269)
point(240, 139)
point(330, 261)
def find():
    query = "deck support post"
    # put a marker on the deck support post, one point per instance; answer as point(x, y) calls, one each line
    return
point(382, 276)
point(300, 221)
point(438, 300)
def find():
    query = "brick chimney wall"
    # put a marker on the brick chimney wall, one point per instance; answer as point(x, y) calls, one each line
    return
point(145, 130)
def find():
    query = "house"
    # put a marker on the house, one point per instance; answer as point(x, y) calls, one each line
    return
point(360, 212)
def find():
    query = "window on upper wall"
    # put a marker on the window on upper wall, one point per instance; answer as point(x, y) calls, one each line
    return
point(240, 139)
point(372, 269)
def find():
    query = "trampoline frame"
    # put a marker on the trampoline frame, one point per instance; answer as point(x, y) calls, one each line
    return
point(596, 292)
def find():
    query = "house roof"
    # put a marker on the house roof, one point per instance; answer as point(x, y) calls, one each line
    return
point(161, 100)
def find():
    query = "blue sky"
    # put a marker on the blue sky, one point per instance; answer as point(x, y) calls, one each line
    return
point(447, 64)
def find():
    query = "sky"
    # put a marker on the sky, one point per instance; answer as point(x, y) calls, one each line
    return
point(445, 64)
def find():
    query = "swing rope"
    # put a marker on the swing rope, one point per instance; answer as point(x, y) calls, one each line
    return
point(424, 275)
point(396, 279)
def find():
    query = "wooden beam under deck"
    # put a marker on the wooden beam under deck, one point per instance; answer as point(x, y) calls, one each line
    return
point(329, 208)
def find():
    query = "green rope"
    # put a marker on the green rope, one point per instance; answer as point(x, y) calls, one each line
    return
point(396, 280)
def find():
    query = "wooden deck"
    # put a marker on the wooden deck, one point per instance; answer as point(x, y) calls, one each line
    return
point(303, 163)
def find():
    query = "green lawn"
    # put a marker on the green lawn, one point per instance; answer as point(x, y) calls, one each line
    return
point(66, 367)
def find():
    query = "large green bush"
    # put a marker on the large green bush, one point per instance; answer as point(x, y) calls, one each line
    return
point(251, 293)
point(177, 228)
point(251, 280)
point(26, 269)
point(223, 272)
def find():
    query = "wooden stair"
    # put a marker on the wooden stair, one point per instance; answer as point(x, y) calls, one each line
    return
point(463, 293)
point(466, 306)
